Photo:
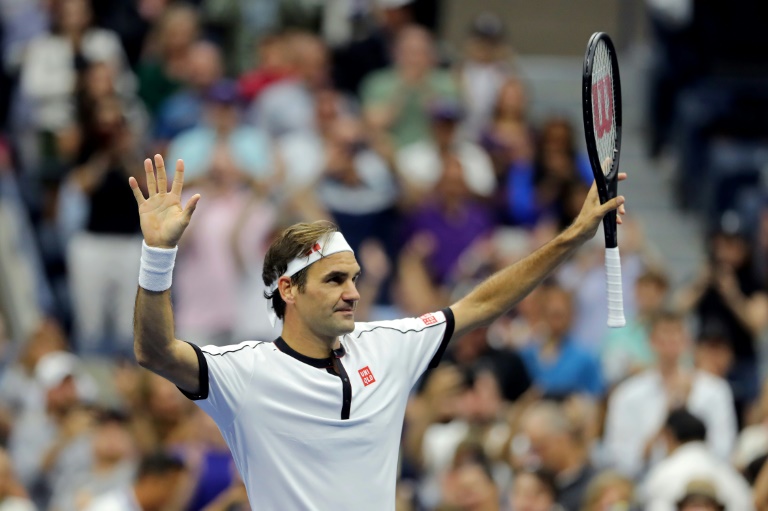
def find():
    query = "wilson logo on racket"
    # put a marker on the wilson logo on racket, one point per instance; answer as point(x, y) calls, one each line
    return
point(602, 104)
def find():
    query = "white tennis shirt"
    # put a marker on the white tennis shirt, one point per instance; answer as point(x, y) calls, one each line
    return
point(306, 438)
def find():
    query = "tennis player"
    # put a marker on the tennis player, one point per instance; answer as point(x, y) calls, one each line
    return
point(314, 418)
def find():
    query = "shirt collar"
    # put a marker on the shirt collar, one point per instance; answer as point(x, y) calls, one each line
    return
point(321, 363)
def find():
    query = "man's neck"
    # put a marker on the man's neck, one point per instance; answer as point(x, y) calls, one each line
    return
point(307, 343)
point(668, 369)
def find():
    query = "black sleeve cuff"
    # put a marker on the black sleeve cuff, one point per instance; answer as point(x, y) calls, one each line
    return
point(449, 326)
point(202, 376)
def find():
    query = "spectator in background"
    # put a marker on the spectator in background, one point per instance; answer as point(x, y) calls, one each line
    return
point(638, 407)
point(560, 447)
point(444, 226)
point(354, 61)
point(272, 65)
point(396, 100)
point(627, 351)
point(248, 145)
point(156, 485)
point(13, 496)
point(113, 464)
point(691, 459)
point(164, 65)
point(185, 109)
point(110, 238)
point(469, 486)
point(287, 106)
point(609, 491)
point(556, 363)
point(539, 189)
point(356, 186)
point(508, 138)
point(728, 297)
point(534, 490)
point(486, 66)
point(237, 223)
point(51, 63)
point(418, 163)
point(50, 444)
point(700, 495)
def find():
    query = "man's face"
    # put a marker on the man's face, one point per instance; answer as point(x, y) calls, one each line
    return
point(529, 494)
point(669, 340)
point(558, 312)
point(327, 303)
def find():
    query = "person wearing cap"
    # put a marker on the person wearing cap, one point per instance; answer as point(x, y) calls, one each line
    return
point(419, 163)
point(700, 495)
point(313, 419)
point(689, 461)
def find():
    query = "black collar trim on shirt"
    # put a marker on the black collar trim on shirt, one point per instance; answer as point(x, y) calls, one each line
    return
point(321, 363)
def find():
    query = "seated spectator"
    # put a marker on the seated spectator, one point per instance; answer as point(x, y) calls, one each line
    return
point(534, 490)
point(637, 408)
point(396, 100)
point(184, 109)
point(418, 163)
point(249, 146)
point(691, 459)
point(287, 106)
point(627, 351)
point(13, 496)
point(609, 491)
point(156, 485)
point(556, 363)
point(559, 447)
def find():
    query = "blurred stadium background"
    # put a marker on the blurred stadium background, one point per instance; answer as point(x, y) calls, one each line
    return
point(445, 138)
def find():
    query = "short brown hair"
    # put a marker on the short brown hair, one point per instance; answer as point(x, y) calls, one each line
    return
point(655, 277)
point(292, 242)
point(667, 316)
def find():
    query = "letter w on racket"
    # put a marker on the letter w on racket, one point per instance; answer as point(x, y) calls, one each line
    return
point(602, 101)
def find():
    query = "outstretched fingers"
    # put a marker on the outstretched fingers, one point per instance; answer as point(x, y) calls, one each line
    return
point(150, 173)
point(162, 178)
point(178, 178)
point(136, 191)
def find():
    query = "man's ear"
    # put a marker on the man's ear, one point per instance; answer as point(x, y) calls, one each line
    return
point(287, 291)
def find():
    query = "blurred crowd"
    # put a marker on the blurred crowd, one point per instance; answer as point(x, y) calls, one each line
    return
point(427, 158)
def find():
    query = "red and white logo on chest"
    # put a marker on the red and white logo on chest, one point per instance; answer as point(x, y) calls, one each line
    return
point(366, 375)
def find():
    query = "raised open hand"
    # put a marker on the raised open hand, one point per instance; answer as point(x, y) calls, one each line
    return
point(162, 219)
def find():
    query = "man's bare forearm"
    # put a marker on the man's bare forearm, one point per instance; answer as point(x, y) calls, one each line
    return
point(505, 288)
point(155, 345)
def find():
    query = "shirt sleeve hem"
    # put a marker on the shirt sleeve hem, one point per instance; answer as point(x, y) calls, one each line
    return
point(449, 326)
point(202, 377)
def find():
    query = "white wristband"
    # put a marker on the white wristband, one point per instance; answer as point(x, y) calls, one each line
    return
point(156, 269)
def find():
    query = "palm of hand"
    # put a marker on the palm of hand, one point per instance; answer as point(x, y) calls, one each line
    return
point(163, 220)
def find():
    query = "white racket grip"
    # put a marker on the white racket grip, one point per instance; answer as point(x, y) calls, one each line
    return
point(615, 294)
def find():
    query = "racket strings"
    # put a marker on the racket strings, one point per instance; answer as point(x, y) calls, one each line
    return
point(603, 105)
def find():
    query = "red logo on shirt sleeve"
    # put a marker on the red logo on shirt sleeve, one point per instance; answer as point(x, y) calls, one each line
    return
point(366, 375)
point(428, 319)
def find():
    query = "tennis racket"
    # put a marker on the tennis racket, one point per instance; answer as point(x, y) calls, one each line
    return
point(601, 106)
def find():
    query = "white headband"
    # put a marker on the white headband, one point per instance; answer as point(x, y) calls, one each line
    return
point(332, 244)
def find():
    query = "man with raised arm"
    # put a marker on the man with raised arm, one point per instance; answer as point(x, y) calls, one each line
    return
point(314, 418)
